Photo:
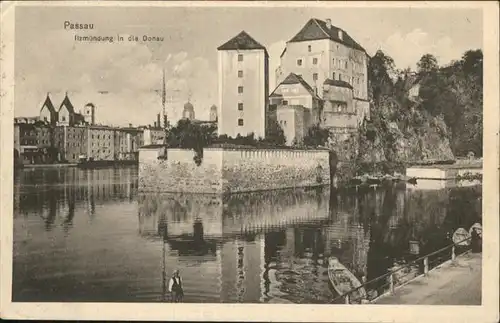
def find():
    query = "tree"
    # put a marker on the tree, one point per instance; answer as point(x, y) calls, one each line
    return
point(316, 136)
point(191, 136)
point(275, 134)
point(427, 64)
point(380, 70)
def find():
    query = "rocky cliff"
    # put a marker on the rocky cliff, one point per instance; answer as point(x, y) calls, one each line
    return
point(395, 135)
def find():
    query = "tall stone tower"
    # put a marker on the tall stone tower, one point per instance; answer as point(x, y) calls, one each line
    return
point(243, 75)
point(88, 113)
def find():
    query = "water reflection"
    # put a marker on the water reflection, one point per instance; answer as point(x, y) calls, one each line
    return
point(115, 244)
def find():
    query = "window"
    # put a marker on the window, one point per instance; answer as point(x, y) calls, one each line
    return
point(285, 90)
point(333, 76)
point(240, 122)
point(315, 61)
point(299, 62)
point(345, 64)
point(240, 57)
point(63, 118)
point(240, 73)
point(240, 89)
point(284, 122)
point(309, 48)
point(315, 76)
point(340, 77)
point(240, 106)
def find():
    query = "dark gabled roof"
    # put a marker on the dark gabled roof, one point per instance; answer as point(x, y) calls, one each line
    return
point(241, 41)
point(293, 78)
point(276, 95)
point(338, 83)
point(48, 104)
point(316, 29)
point(66, 102)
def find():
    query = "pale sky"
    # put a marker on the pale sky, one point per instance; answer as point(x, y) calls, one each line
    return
point(49, 60)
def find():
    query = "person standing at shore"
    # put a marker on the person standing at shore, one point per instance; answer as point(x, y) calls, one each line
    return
point(175, 287)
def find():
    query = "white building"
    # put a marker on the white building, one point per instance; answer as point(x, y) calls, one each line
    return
point(243, 77)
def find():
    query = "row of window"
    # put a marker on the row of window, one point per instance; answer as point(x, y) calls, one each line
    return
point(103, 137)
point(339, 63)
point(314, 61)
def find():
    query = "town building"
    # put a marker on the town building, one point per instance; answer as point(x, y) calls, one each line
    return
point(328, 70)
point(70, 142)
point(101, 143)
point(296, 106)
point(243, 79)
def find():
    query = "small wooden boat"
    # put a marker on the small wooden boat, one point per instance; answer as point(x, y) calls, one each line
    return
point(344, 281)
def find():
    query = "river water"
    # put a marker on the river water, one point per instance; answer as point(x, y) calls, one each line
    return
point(90, 236)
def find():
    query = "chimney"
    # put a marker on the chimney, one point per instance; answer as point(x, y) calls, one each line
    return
point(328, 23)
point(341, 35)
point(130, 125)
point(154, 124)
point(158, 123)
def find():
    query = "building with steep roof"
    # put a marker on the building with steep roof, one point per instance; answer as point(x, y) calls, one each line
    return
point(48, 113)
point(329, 71)
point(321, 51)
point(67, 115)
point(243, 79)
point(296, 106)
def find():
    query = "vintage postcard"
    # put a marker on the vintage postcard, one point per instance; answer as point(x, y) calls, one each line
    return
point(260, 161)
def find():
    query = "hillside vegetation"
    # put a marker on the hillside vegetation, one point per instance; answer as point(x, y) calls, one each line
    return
point(442, 122)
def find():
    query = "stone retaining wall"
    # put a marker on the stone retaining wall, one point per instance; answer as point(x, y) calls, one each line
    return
point(226, 170)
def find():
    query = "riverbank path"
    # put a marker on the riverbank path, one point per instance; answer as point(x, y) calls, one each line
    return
point(456, 283)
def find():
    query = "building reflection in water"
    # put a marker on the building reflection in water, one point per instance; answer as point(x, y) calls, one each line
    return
point(267, 245)
point(54, 194)
point(255, 247)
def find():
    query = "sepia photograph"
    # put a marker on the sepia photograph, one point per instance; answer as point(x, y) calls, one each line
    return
point(317, 156)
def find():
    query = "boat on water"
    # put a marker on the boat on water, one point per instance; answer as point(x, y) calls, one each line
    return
point(343, 280)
